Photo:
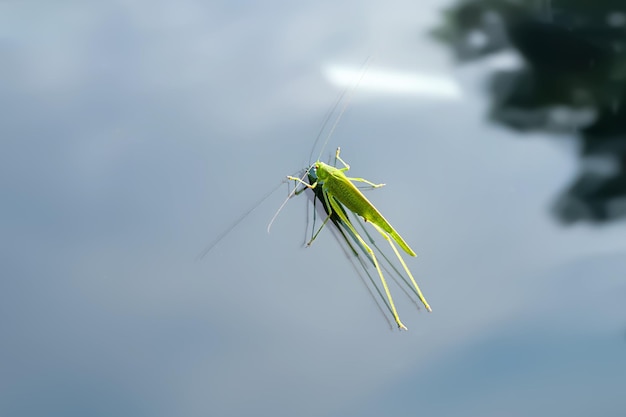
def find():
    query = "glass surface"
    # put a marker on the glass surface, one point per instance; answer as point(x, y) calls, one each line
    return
point(134, 133)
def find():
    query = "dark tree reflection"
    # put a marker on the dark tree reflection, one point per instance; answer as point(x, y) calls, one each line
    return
point(573, 81)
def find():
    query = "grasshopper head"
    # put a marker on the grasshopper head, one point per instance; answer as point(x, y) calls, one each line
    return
point(319, 170)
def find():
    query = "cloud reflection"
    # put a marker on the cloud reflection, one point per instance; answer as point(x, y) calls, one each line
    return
point(394, 82)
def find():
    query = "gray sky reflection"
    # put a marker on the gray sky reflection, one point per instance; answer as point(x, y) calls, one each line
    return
point(134, 132)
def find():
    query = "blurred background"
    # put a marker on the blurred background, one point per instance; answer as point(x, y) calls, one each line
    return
point(133, 133)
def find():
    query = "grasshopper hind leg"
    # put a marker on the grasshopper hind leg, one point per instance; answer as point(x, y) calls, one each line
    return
point(332, 204)
point(406, 268)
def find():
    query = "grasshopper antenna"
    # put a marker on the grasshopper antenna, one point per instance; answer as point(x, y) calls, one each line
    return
point(236, 222)
point(291, 194)
point(365, 66)
point(347, 94)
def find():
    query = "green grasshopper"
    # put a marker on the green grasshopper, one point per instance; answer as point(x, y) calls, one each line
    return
point(337, 192)
point(356, 253)
point(339, 196)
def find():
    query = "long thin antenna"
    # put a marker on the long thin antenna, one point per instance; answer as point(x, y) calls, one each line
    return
point(365, 66)
point(236, 222)
point(327, 118)
point(291, 194)
point(347, 93)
